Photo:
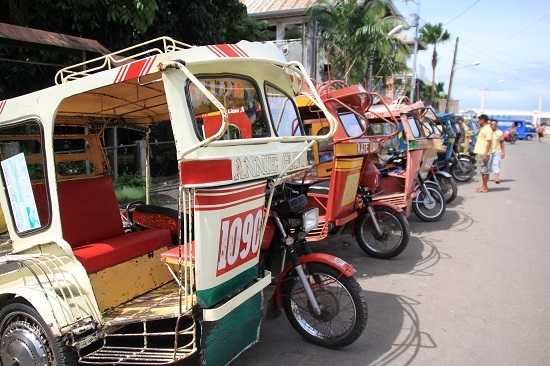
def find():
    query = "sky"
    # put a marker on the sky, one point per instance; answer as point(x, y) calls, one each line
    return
point(509, 39)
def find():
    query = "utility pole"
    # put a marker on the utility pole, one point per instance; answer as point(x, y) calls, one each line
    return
point(448, 103)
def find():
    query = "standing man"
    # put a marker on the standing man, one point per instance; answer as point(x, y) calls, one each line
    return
point(482, 149)
point(497, 150)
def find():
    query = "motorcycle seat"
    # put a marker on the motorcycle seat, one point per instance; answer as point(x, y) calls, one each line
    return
point(319, 188)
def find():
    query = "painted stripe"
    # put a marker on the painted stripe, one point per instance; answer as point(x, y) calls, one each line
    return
point(227, 50)
point(229, 204)
point(216, 51)
point(2, 105)
point(348, 164)
point(214, 200)
point(206, 171)
point(238, 50)
point(135, 69)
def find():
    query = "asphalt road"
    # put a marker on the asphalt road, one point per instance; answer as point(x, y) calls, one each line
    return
point(471, 289)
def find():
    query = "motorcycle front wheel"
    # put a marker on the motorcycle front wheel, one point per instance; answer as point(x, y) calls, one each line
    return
point(343, 306)
point(429, 207)
point(392, 239)
point(463, 170)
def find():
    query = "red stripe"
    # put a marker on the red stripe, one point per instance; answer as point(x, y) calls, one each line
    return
point(148, 65)
point(227, 50)
point(226, 206)
point(2, 105)
point(120, 74)
point(239, 50)
point(244, 194)
point(216, 51)
point(206, 171)
point(134, 70)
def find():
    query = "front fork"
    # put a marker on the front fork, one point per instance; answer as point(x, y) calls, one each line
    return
point(367, 200)
point(424, 189)
point(295, 259)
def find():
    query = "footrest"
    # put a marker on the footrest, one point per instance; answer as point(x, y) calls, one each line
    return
point(172, 256)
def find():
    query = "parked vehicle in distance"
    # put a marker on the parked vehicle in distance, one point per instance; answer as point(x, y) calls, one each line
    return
point(525, 129)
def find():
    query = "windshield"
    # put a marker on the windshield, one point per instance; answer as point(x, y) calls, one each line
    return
point(283, 113)
point(242, 100)
point(353, 125)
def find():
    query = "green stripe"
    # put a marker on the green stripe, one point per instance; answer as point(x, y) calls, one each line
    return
point(209, 297)
point(225, 339)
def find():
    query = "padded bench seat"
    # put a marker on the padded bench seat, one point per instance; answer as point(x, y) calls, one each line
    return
point(91, 223)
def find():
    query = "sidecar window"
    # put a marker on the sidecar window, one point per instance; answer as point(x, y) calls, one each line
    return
point(242, 100)
point(414, 127)
point(283, 113)
point(23, 160)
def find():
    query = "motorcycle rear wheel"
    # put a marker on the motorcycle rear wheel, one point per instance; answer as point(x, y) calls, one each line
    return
point(342, 301)
point(395, 233)
point(427, 209)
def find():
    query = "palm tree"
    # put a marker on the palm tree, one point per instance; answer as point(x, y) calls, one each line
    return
point(433, 34)
point(426, 93)
point(355, 36)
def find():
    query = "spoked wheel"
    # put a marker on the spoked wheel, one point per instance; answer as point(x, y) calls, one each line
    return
point(26, 340)
point(448, 187)
point(393, 237)
point(463, 170)
point(429, 207)
point(343, 307)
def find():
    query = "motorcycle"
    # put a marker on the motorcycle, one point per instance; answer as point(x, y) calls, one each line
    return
point(511, 137)
point(322, 300)
point(429, 203)
point(444, 181)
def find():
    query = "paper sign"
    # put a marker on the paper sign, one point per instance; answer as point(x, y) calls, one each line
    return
point(18, 184)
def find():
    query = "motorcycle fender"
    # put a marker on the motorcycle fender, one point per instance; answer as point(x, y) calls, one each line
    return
point(341, 265)
point(444, 174)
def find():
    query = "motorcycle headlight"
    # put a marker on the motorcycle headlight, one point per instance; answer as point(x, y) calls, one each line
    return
point(310, 219)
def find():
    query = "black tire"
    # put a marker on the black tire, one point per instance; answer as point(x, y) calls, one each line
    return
point(426, 209)
point(395, 233)
point(529, 137)
point(344, 307)
point(465, 173)
point(447, 186)
point(25, 337)
point(513, 140)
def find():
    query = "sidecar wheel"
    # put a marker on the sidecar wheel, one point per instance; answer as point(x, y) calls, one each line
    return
point(25, 339)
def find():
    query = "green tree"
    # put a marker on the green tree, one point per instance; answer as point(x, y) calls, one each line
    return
point(201, 22)
point(438, 93)
point(355, 38)
point(116, 25)
point(433, 34)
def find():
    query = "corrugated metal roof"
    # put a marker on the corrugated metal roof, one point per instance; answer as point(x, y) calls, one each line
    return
point(267, 6)
point(275, 6)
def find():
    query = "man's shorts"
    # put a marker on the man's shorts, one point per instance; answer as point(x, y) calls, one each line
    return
point(494, 162)
point(483, 168)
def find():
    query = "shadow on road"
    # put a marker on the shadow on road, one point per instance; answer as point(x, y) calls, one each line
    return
point(393, 335)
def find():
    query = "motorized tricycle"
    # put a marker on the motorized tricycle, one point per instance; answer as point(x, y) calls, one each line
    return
point(338, 185)
point(461, 166)
point(79, 283)
point(406, 162)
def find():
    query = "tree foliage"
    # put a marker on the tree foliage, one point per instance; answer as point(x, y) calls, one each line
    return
point(355, 38)
point(433, 34)
point(116, 24)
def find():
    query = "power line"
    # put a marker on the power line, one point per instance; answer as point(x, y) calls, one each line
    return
point(459, 15)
